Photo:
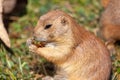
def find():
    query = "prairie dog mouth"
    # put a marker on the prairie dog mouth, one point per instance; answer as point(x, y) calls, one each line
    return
point(41, 44)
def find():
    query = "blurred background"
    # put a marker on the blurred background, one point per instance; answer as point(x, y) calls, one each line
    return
point(17, 62)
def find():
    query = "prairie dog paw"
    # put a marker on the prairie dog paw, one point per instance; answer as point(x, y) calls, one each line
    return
point(29, 42)
point(32, 48)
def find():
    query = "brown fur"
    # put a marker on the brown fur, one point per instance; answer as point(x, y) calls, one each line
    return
point(110, 21)
point(104, 3)
point(78, 54)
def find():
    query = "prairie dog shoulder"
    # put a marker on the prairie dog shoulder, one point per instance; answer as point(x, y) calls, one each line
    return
point(74, 50)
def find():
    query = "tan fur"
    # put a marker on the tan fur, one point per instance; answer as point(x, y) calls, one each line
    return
point(78, 54)
point(110, 21)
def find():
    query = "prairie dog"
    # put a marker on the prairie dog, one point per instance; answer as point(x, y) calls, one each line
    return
point(110, 21)
point(77, 53)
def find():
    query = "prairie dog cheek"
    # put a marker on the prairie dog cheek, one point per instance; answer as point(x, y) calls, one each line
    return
point(61, 30)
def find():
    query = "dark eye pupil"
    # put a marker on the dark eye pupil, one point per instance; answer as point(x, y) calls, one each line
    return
point(48, 26)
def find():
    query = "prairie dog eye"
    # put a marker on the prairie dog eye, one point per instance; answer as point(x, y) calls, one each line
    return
point(48, 26)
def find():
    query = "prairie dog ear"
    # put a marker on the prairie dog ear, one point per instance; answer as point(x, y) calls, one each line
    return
point(64, 20)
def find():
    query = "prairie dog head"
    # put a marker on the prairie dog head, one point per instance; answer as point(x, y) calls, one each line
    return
point(53, 26)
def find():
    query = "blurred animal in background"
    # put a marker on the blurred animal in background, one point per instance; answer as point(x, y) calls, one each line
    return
point(77, 53)
point(110, 23)
point(9, 8)
point(6, 6)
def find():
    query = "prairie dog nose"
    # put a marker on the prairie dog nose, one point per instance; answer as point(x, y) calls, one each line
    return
point(39, 38)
